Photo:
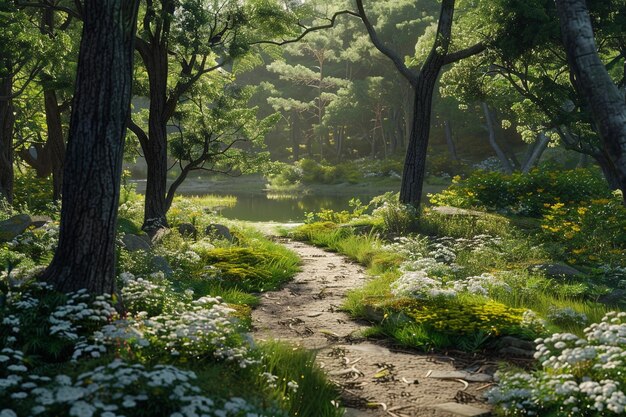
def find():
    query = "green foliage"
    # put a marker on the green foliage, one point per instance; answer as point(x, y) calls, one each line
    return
point(523, 194)
point(588, 231)
point(33, 194)
point(397, 218)
point(315, 396)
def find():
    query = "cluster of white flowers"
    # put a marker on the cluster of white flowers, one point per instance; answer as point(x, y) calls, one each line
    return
point(480, 284)
point(566, 315)
point(442, 253)
point(419, 285)
point(68, 319)
point(115, 389)
point(576, 374)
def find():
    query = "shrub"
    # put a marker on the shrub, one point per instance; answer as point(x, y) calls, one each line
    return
point(576, 376)
point(588, 231)
point(523, 194)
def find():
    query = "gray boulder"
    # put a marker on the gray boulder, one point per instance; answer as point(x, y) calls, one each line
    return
point(556, 270)
point(615, 297)
point(40, 221)
point(15, 226)
point(187, 229)
point(218, 231)
point(134, 243)
point(159, 263)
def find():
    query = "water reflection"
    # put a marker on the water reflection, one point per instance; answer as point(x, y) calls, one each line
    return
point(260, 208)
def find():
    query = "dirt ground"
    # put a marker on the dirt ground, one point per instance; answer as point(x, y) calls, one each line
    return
point(375, 379)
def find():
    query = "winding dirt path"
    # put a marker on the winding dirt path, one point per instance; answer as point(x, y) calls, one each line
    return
point(375, 380)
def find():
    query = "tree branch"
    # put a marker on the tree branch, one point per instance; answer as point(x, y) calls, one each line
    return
point(464, 53)
point(391, 54)
point(308, 30)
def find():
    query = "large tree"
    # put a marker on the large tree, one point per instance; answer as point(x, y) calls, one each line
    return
point(20, 63)
point(591, 79)
point(423, 83)
point(85, 256)
point(180, 43)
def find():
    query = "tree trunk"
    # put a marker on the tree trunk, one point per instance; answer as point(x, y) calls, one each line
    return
point(606, 102)
point(7, 122)
point(295, 143)
point(506, 164)
point(414, 170)
point(155, 147)
point(85, 256)
point(450, 141)
point(536, 151)
point(55, 144)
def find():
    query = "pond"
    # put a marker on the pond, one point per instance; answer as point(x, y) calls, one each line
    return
point(259, 208)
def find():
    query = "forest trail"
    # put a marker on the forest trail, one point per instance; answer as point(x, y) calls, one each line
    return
point(375, 380)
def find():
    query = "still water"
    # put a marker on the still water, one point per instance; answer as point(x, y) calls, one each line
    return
point(259, 208)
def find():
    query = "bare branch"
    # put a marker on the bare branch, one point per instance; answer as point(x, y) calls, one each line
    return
point(308, 30)
point(411, 76)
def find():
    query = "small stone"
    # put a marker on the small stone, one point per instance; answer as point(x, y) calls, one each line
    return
point(556, 270)
point(159, 263)
point(134, 243)
point(315, 314)
point(461, 375)
point(464, 410)
point(219, 231)
point(187, 229)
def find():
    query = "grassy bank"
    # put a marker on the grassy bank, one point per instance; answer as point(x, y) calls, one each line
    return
point(178, 344)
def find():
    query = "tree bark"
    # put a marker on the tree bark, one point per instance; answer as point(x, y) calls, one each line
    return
point(55, 143)
point(85, 256)
point(606, 102)
point(7, 122)
point(506, 164)
point(423, 83)
point(154, 145)
point(537, 150)
point(450, 141)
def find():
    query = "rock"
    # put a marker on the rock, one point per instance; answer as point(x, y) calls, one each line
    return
point(615, 297)
point(187, 229)
point(159, 263)
point(518, 343)
point(219, 231)
point(515, 352)
point(40, 221)
point(467, 376)
point(556, 270)
point(463, 410)
point(15, 226)
point(368, 348)
point(134, 243)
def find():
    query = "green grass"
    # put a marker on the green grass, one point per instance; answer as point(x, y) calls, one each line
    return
point(315, 397)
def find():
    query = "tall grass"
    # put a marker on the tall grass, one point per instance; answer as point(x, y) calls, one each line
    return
point(315, 396)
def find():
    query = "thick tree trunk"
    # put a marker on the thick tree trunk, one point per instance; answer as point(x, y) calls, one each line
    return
point(414, 171)
point(7, 122)
point(606, 102)
point(155, 148)
point(506, 164)
point(85, 256)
